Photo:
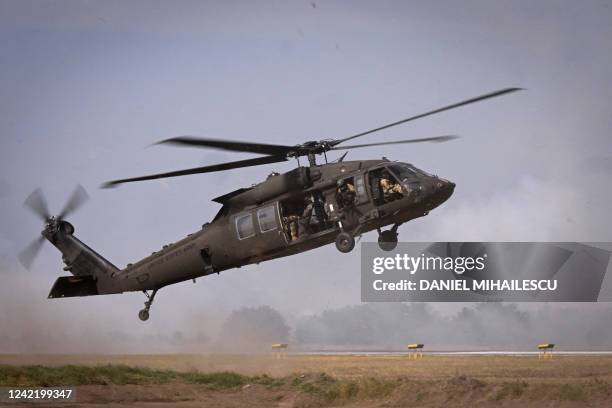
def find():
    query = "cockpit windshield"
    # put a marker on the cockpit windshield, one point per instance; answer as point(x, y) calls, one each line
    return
point(404, 171)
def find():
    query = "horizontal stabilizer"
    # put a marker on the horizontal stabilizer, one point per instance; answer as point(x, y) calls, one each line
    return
point(70, 286)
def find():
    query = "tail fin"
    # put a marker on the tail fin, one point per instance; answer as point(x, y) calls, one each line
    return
point(70, 286)
point(93, 273)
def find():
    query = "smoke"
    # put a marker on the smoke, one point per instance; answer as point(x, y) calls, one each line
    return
point(41, 326)
point(529, 209)
point(480, 326)
point(30, 323)
point(253, 329)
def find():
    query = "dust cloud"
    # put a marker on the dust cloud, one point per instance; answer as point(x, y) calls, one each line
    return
point(252, 329)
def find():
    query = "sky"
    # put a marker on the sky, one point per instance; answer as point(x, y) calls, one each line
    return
point(87, 87)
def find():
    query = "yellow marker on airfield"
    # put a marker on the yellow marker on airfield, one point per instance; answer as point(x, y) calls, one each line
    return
point(545, 350)
point(415, 350)
point(280, 348)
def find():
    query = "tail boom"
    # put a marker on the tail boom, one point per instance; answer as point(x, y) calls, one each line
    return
point(92, 272)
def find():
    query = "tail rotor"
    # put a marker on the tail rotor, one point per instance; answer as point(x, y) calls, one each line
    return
point(37, 203)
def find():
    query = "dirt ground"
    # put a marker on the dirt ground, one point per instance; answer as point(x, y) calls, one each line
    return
point(433, 381)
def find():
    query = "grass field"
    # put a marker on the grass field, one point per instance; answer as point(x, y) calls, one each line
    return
point(315, 380)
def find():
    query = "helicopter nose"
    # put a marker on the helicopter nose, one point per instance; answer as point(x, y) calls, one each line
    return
point(450, 186)
point(444, 189)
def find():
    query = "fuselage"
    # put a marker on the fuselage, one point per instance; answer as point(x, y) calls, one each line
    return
point(252, 226)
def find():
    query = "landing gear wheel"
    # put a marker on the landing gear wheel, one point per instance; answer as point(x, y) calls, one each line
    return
point(345, 242)
point(144, 313)
point(387, 240)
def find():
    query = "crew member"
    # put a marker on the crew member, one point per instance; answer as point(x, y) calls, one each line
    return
point(306, 218)
point(292, 222)
point(345, 194)
point(318, 207)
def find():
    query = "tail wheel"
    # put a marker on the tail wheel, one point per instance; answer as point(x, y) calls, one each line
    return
point(144, 313)
point(345, 242)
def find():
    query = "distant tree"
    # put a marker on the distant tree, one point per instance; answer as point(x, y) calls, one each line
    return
point(388, 324)
point(254, 327)
point(487, 324)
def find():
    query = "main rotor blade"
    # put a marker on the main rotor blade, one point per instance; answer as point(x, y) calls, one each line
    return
point(37, 203)
point(422, 115)
point(78, 197)
point(436, 139)
point(231, 145)
point(27, 256)
point(206, 169)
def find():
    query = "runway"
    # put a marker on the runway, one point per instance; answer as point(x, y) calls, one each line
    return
point(451, 353)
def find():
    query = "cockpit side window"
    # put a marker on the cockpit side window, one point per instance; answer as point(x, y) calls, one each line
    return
point(385, 186)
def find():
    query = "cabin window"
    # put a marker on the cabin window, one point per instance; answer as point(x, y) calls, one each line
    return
point(244, 226)
point(267, 218)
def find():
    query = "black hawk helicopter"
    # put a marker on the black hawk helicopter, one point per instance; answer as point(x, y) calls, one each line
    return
point(305, 208)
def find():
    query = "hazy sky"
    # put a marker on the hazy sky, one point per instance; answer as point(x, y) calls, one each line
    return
point(87, 86)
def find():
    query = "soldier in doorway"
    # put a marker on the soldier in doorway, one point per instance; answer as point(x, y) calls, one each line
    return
point(345, 194)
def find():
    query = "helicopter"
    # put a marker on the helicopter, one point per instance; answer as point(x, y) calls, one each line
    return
point(302, 209)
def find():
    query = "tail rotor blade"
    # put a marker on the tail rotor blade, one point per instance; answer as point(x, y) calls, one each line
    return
point(27, 256)
point(77, 199)
point(37, 203)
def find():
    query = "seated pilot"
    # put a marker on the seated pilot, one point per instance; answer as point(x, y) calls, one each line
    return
point(391, 190)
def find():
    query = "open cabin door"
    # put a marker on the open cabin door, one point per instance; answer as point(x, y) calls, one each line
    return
point(305, 216)
point(351, 198)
